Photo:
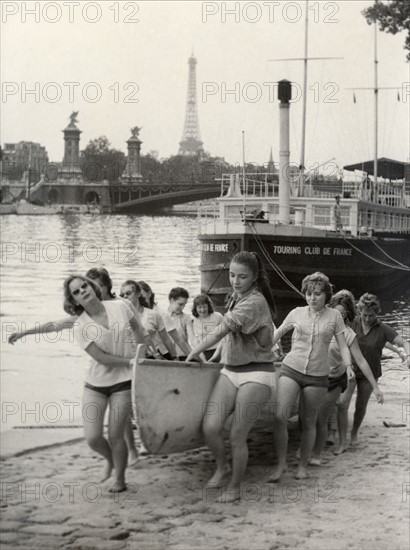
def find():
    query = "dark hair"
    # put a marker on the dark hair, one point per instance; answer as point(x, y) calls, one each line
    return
point(70, 305)
point(369, 301)
point(346, 299)
point(137, 288)
point(199, 300)
point(178, 292)
point(102, 274)
point(253, 261)
point(146, 288)
point(320, 280)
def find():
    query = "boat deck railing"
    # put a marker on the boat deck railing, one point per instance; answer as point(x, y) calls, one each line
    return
point(358, 218)
point(266, 185)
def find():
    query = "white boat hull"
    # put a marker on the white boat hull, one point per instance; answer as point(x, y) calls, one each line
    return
point(170, 399)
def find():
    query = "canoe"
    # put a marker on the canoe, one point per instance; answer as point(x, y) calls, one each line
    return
point(170, 399)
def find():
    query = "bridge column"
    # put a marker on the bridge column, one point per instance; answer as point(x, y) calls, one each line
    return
point(132, 171)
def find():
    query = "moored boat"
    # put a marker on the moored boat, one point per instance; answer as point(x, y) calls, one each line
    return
point(370, 254)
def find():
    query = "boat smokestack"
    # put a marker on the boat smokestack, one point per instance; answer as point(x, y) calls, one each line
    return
point(284, 96)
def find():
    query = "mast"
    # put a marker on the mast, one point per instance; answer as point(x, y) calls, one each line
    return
point(244, 189)
point(305, 67)
point(376, 109)
point(305, 60)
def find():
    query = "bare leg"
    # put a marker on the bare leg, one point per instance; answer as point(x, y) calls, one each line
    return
point(94, 407)
point(342, 416)
point(120, 409)
point(312, 397)
point(250, 399)
point(325, 411)
point(287, 394)
point(332, 426)
point(364, 391)
point(130, 442)
point(220, 405)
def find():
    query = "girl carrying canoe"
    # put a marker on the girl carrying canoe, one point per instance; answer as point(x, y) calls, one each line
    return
point(248, 375)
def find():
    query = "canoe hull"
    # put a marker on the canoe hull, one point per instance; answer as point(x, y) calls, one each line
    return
point(171, 399)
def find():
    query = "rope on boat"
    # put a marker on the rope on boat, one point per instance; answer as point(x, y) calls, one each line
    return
point(272, 263)
point(217, 276)
point(404, 268)
point(385, 253)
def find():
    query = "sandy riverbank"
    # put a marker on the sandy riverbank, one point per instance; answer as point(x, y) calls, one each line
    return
point(360, 500)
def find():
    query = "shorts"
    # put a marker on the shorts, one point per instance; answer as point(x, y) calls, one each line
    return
point(339, 381)
point(109, 390)
point(265, 378)
point(304, 380)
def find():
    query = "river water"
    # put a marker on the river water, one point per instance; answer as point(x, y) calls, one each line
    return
point(42, 377)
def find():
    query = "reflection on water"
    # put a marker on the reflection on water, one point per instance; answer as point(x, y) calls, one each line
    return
point(39, 252)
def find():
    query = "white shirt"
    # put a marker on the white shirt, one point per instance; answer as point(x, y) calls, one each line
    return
point(119, 339)
point(203, 328)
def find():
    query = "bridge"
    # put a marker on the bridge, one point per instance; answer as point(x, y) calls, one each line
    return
point(148, 196)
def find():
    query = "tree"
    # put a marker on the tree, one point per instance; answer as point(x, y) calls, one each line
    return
point(393, 17)
point(151, 167)
point(99, 161)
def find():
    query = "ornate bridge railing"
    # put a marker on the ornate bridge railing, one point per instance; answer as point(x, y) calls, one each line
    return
point(151, 196)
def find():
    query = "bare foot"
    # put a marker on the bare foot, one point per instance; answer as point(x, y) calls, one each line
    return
point(231, 494)
point(118, 487)
point(340, 449)
point(217, 479)
point(107, 471)
point(277, 474)
point(142, 450)
point(132, 457)
point(314, 461)
point(353, 440)
point(301, 473)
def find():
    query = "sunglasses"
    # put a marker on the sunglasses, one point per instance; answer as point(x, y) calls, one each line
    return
point(77, 290)
point(126, 294)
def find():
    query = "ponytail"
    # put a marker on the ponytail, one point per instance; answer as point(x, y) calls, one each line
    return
point(264, 286)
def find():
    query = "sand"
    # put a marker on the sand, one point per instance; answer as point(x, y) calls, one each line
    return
point(51, 498)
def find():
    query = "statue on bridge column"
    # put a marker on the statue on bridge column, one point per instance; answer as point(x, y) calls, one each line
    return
point(73, 118)
point(135, 131)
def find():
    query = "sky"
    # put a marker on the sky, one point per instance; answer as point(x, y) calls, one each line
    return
point(127, 63)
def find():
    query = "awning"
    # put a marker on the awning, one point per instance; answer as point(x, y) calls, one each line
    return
point(387, 168)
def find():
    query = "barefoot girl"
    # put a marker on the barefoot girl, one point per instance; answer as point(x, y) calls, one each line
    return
point(107, 331)
point(372, 336)
point(339, 376)
point(304, 372)
point(102, 279)
point(248, 375)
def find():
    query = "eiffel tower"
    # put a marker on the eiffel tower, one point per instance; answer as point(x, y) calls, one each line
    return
point(191, 143)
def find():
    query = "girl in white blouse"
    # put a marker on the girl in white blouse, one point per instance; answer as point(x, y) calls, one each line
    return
point(108, 331)
point(305, 369)
point(205, 321)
